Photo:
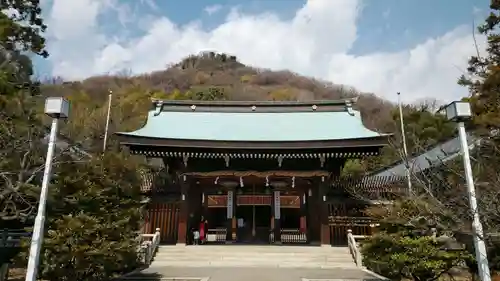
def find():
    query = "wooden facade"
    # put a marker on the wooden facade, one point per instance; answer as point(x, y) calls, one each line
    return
point(164, 216)
point(280, 189)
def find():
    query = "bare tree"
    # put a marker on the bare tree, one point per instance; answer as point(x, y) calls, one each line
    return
point(440, 198)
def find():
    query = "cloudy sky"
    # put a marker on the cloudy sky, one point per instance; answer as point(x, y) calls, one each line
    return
point(417, 47)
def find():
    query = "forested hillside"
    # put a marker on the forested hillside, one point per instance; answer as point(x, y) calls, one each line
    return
point(214, 76)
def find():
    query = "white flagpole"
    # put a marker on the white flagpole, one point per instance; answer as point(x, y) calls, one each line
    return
point(107, 121)
point(405, 150)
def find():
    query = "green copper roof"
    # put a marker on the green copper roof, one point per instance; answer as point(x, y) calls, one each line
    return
point(186, 123)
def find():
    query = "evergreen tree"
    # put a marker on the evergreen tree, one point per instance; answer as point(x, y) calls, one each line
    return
point(94, 220)
point(483, 80)
point(20, 128)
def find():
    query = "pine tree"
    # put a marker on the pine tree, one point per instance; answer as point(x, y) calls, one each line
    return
point(483, 80)
point(94, 220)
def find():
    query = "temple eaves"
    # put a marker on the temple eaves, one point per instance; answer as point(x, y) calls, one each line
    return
point(249, 124)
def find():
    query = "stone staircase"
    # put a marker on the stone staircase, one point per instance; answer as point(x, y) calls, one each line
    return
point(253, 256)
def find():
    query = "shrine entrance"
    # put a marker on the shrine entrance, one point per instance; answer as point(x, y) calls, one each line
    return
point(253, 219)
point(256, 215)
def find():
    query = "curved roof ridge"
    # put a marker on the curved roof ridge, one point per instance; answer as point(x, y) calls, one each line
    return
point(256, 103)
point(252, 106)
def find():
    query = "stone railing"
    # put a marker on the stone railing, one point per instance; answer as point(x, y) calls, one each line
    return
point(354, 247)
point(216, 235)
point(290, 235)
point(149, 246)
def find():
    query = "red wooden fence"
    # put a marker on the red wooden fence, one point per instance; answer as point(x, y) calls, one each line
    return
point(166, 217)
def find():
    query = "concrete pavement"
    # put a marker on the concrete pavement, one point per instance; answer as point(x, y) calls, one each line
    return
point(251, 274)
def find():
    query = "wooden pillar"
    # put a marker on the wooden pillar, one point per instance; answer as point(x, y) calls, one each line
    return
point(303, 214)
point(325, 228)
point(230, 215)
point(183, 213)
point(313, 224)
point(277, 216)
point(234, 221)
point(204, 204)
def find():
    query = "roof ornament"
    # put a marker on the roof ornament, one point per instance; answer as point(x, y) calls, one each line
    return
point(348, 105)
point(314, 107)
point(158, 107)
point(254, 107)
point(193, 107)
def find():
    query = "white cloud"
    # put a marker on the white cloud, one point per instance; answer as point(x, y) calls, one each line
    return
point(386, 13)
point(315, 42)
point(210, 10)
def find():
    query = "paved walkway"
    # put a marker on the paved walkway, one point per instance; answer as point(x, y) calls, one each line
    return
point(251, 274)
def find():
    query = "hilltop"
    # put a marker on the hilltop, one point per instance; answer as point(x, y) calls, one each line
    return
point(211, 76)
point(207, 76)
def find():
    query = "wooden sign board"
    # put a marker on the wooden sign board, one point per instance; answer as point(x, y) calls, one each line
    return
point(217, 201)
point(290, 201)
point(285, 201)
point(257, 200)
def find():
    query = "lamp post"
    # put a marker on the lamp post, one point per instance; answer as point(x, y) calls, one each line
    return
point(405, 149)
point(459, 112)
point(57, 108)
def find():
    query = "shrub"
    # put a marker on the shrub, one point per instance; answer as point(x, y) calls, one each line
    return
point(421, 258)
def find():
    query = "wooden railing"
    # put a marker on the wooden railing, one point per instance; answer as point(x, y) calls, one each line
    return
point(149, 246)
point(290, 235)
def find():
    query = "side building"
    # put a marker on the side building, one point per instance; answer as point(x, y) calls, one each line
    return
point(257, 172)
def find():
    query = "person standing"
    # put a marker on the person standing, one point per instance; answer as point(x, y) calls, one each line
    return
point(196, 237)
point(202, 229)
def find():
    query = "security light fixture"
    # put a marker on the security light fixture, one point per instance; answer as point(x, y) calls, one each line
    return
point(458, 111)
point(57, 107)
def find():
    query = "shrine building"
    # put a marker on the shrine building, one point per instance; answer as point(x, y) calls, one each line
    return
point(257, 172)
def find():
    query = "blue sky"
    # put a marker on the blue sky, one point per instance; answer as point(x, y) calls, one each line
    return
point(389, 25)
point(337, 40)
point(384, 25)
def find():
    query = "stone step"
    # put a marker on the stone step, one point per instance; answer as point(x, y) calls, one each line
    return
point(162, 251)
point(254, 259)
point(251, 264)
point(246, 254)
point(254, 256)
point(280, 248)
point(242, 253)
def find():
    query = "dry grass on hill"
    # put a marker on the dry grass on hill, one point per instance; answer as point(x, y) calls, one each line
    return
point(207, 76)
